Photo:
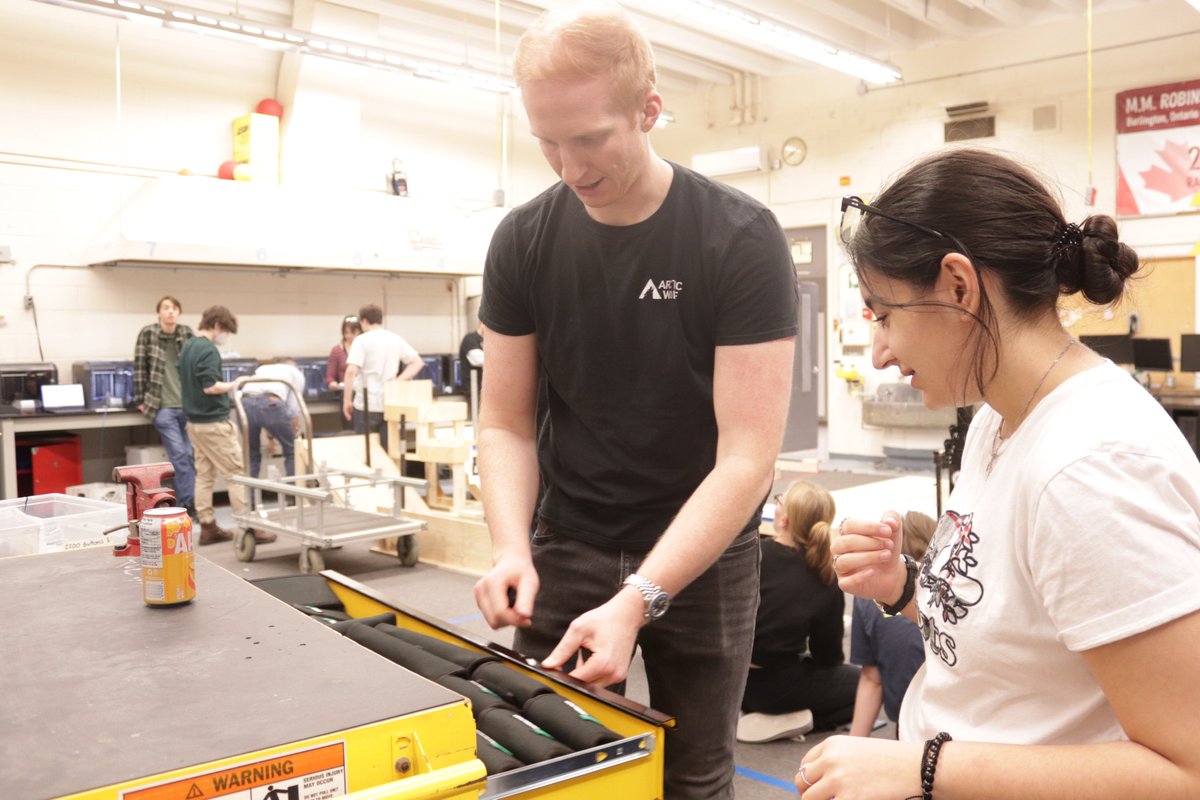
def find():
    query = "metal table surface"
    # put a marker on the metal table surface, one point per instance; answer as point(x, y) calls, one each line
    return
point(100, 688)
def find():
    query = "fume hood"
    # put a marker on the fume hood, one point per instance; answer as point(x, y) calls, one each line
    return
point(189, 220)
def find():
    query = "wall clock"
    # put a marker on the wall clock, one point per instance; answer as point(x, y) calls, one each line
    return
point(794, 151)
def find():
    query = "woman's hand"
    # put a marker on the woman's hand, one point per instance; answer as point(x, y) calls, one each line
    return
point(866, 558)
point(854, 768)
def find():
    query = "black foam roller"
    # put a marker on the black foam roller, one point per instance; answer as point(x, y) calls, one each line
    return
point(567, 722)
point(480, 696)
point(526, 740)
point(371, 621)
point(514, 687)
point(406, 655)
point(451, 652)
point(496, 757)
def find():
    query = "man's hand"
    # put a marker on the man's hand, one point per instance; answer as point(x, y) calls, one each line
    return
point(512, 574)
point(608, 633)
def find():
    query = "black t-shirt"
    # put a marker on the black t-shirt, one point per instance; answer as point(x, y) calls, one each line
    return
point(472, 341)
point(796, 611)
point(626, 320)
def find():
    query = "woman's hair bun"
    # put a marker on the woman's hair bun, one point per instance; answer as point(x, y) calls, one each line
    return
point(1095, 262)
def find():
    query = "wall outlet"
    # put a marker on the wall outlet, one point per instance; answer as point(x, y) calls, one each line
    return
point(5, 254)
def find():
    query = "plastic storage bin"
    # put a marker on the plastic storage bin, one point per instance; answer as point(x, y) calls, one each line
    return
point(108, 492)
point(49, 522)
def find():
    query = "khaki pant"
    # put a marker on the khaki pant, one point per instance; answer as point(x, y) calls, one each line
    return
point(218, 453)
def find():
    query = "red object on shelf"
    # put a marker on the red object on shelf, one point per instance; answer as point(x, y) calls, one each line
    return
point(225, 171)
point(269, 106)
point(56, 465)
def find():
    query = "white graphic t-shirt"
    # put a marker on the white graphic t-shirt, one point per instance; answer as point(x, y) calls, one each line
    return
point(1086, 532)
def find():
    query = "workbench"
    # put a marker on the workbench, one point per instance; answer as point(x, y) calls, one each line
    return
point(107, 698)
point(12, 424)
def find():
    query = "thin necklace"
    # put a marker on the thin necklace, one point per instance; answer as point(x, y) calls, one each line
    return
point(997, 443)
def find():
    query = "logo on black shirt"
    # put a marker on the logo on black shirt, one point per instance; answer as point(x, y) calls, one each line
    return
point(663, 290)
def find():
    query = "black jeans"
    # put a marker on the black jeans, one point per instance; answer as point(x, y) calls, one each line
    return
point(827, 690)
point(696, 655)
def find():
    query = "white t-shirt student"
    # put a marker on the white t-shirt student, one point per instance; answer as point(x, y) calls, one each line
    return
point(378, 354)
point(1086, 532)
point(283, 375)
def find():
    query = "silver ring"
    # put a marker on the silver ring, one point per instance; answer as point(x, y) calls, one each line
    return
point(836, 556)
point(804, 777)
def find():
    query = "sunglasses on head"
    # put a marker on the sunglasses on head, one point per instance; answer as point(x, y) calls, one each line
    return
point(854, 209)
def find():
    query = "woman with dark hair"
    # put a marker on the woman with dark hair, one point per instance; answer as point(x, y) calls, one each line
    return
point(798, 680)
point(335, 371)
point(1058, 597)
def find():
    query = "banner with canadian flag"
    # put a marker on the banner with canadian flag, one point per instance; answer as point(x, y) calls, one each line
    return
point(1158, 150)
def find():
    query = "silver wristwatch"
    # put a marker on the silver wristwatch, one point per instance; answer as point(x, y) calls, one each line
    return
point(656, 599)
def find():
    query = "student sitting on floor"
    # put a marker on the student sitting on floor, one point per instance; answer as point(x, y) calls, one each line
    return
point(889, 649)
point(798, 680)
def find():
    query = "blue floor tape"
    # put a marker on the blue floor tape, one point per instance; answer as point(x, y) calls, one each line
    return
point(770, 780)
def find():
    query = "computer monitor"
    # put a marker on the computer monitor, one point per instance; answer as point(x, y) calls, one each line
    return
point(57, 396)
point(1189, 352)
point(1117, 348)
point(1153, 354)
point(232, 368)
point(432, 371)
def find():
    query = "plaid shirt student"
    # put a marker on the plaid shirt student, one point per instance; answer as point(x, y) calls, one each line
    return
point(149, 363)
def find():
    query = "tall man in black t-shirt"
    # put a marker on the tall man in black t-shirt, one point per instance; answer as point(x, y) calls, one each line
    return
point(661, 309)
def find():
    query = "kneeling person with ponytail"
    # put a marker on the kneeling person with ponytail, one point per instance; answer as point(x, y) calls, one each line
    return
point(798, 680)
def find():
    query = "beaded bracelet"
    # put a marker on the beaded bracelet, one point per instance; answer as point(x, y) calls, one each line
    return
point(929, 760)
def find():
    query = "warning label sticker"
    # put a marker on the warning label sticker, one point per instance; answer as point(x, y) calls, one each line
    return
point(314, 774)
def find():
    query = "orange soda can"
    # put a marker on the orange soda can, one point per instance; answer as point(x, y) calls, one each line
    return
point(168, 557)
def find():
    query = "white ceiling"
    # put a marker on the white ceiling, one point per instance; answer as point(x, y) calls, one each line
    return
point(464, 31)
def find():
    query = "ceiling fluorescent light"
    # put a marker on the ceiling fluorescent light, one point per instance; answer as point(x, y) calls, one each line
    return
point(277, 37)
point(790, 41)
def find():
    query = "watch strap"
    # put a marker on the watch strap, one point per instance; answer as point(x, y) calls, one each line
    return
point(649, 590)
point(910, 588)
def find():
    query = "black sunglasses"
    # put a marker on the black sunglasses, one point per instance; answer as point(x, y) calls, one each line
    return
point(853, 209)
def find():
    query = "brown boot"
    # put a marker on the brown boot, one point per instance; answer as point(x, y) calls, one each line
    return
point(211, 534)
point(262, 537)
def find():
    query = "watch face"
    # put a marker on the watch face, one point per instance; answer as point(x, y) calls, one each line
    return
point(658, 606)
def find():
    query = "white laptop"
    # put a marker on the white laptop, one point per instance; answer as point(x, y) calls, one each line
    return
point(63, 398)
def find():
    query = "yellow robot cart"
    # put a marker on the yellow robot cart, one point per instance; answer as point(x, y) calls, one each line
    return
point(239, 696)
point(629, 769)
point(235, 696)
